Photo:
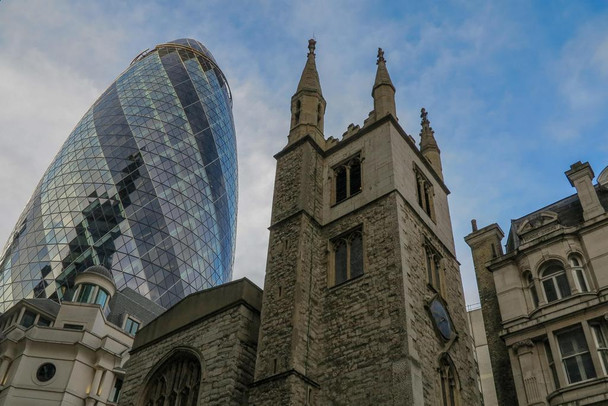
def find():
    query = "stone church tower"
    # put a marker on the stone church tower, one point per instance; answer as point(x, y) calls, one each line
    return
point(363, 299)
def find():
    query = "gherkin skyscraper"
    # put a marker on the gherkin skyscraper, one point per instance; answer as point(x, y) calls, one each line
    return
point(145, 185)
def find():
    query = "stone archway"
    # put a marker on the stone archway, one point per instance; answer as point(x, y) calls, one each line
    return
point(175, 381)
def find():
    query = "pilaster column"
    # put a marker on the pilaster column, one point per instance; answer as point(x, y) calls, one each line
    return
point(95, 382)
point(4, 364)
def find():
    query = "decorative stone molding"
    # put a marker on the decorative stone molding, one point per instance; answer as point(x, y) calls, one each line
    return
point(527, 343)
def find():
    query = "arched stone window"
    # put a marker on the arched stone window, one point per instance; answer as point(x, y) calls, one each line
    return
point(554, 281)
point(176, 381)
point(434, 268)
point(450, 385)
point(296, 113)
point(347, 256)
point(578, 273)
point(531, 287)
point(319, 113)
point(347, 177)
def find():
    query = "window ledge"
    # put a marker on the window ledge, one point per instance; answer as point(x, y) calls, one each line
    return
point(347, 282)
point(572, 392)
point(564, 302)
point(345, 199)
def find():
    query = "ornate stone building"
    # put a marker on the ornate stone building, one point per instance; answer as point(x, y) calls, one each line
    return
point(545, 302)
point(363, 299)
point(71, 353)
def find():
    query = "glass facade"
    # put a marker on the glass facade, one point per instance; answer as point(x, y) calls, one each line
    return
point(145, 185)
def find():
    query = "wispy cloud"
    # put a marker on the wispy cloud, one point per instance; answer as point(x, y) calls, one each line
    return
point(516, 92)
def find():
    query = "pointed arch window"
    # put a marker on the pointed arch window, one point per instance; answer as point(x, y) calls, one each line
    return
point(347, 179)
point(425, 193)
point(296, 114)
point(434, 268)
point(347, 253)
point(450, 386)
point(319, 114)
point(176, 378)
point(578, 273)
point(554, 281)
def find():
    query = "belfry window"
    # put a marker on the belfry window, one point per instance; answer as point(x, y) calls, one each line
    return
point(425, 193)
point(347, 179)
point(554, 281)
point(347, 251)
point(434, 268)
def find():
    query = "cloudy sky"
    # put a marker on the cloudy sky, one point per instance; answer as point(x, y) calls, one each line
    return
point(516, 91)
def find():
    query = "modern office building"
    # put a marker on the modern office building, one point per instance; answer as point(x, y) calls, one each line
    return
point(544, 301)
point(145, 185)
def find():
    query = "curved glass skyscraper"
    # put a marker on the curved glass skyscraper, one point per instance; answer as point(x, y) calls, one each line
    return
point(145, 185)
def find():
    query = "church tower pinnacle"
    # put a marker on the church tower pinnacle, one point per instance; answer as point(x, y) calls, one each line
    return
point(308, 104)
point(428, 144)
point(383, 91)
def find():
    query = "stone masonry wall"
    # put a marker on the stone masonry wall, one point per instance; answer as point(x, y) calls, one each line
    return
point(288, 348)
point(365, 357)
point(226, 343)
point(425, 345)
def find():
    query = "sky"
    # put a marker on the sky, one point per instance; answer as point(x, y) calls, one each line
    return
point(516, 91)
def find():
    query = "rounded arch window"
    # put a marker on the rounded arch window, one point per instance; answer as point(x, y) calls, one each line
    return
point(554, 281)
point(578, 273)
point(178, 377)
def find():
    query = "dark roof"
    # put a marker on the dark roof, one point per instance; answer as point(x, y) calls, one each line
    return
point(201, 305)
point(99, 270)
point(569, 214)
point(128, 301)
point(46, 305)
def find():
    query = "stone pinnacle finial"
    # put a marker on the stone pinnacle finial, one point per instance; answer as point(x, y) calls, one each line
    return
point(423, 115)
point(426, 124)
point(380, 56)
point(311, 46)
point(428, 144)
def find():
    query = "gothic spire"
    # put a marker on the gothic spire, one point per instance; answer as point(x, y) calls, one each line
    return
point(428, 144)
point(307, 104)
point(383, 91)
point(310, 77)
point(382, 76)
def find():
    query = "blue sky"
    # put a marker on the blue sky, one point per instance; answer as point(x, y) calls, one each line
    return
point(516, 91)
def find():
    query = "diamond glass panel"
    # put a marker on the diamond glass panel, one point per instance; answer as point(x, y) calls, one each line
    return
point(145, 185)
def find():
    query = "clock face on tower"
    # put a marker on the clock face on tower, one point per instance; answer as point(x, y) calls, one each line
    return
point(441, 318)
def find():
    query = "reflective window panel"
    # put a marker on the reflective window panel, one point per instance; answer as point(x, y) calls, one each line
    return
point(145, 185)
